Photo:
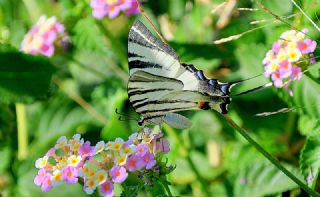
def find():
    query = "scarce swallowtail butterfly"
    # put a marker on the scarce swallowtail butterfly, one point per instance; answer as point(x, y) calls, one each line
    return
point(160, 85)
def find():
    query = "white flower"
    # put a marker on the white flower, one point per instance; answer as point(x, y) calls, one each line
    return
point(74, 160)
point(41, 162)
point(99, 147)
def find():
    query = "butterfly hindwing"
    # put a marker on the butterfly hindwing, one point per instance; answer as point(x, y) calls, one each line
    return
point(153, 95)
point(177, 121)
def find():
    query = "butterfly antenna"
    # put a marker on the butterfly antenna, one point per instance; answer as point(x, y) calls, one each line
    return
point(253, 89)
point(148, 18)
point(233, 83)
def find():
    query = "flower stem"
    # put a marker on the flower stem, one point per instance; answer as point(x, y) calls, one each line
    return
point(166, 187)
point(84, 104)
point(273, 160)
point(22, 131)
point(310, 20)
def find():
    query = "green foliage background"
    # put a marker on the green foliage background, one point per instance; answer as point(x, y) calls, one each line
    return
point(95, 70)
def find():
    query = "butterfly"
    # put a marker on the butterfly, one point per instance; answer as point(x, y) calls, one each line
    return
point(160, 85)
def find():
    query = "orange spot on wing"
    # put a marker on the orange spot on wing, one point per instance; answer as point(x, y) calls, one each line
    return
point(201, 104)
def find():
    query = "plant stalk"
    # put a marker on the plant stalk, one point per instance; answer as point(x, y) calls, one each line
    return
point(309, 19)
point(22, 131)
point(166, 187)
point(272, 159)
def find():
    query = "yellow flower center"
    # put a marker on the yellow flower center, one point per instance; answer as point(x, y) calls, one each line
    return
point(91, 183)
point(57, 177)
point(101, 177)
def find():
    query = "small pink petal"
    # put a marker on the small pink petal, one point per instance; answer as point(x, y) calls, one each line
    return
point(47, 50)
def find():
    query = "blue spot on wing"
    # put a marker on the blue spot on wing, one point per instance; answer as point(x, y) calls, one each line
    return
point(200, 75)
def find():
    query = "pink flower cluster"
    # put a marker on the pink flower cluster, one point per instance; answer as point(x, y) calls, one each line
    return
point(288, 57)
point(101, 165)
point(62, 162)
point(120, 157)
point(44, 36)
point(112, 8)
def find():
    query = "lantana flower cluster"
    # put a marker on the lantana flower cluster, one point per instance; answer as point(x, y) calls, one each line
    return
point(44, 36)
point(100, 166)
point(289, 56)
point(112, 8)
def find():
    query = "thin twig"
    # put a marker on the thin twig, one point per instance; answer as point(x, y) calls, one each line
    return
point(313, 23)
point(148, 18)
point(237, 36)
point(84, 104)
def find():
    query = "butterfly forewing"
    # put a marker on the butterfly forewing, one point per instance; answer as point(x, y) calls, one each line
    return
point(159, 84)
point(147, 53)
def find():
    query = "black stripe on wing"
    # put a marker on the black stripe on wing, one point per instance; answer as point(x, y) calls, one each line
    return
point(142, 64)
point(163, 111)
point(148, 79)
point(156, 102)
point(140, 92)
point(133, 55)
point(141, 35)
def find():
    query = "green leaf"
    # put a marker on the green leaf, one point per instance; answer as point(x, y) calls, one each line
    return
point(114, 127)
point(308, 125)
point(130, 191)
point(59, 152)
point(305, 99)
point(310, 156)
point(177, 9)
point(205, 126)
point(52, 161)
point(26, 187)
point(183, 173)
point(306, 96)
point(203, 56)
point(5, 154)
point(88, 36)
point(263, 179)
point(53, 119)
point(23, 78)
